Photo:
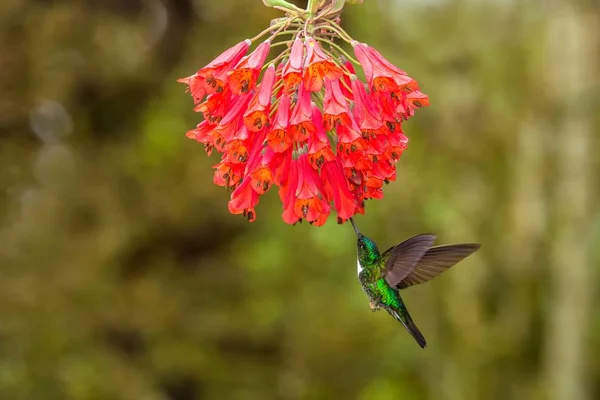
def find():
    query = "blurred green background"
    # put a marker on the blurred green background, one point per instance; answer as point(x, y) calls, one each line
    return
point(123, 276)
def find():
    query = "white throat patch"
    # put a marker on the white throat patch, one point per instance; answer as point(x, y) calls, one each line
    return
point(359, 267)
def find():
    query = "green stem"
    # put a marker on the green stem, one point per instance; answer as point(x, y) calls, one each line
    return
point(269, 29)
point(329, 42)
point(318, 99)
point(275, 104)
point(286, 32)
point(285, 42)
point(313, 7)
point(337, 29)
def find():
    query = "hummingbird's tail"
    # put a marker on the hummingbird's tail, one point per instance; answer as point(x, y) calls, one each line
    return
point(404, 317)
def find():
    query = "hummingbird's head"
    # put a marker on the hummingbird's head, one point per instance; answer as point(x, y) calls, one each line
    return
point(367, 249)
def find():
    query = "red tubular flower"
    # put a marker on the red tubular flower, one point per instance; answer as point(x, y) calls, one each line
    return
point(374, 191)
point(227, 173)
point(383, 169)
point(282, 170)
point(349, 133)
point(231, 123)
point(243, 200)
point(301, 126)
point(417, 99)
point(196, 86)
point(215, 106)
point(347, 79)
point(335, 107)
point(292, 70)
point(202, 132)
point(319, 149)
point(237, 151)
point(320, 154)
point(309, 126)
point(244, 75)
point(287, 191)
point(355, 180)
point(310, 203)
point(336, 187)
point(319, 135)
point(263, 172)
point(212, 78)
point(356, 183)
point(236, 110)
point(336, 113)
point(351, 154)
point(317, 66)
point(365, 114)
point(279, 139)
point(389, 113)
point(396, 144)
point(257, 115)
point(382, 75)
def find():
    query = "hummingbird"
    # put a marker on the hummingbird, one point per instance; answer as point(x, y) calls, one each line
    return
point(410, 262)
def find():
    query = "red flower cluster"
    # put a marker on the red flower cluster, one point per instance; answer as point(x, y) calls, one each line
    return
point(308, 126)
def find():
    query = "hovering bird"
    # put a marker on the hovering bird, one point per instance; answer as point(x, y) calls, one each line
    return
point(411, 262)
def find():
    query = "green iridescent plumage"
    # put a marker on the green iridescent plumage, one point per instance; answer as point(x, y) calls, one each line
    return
point(413, 261)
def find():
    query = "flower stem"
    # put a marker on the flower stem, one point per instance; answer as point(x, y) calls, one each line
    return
point(285, 42)
point(312, 7)
point(318, 99)
point(281, 33)
point(329, 42)
point(332, 26)
point(311, 10)
point(269, 29)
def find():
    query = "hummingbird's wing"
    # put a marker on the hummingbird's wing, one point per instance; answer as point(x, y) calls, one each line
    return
point(401, 259)
point(437, 260)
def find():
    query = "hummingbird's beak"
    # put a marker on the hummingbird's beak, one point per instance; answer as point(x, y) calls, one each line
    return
point(355, 228)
